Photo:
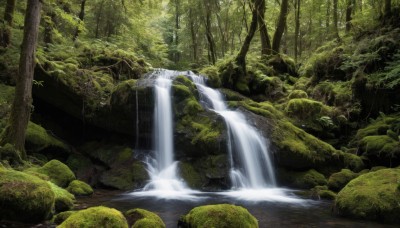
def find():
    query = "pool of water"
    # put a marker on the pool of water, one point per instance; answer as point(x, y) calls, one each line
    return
point(270, 213)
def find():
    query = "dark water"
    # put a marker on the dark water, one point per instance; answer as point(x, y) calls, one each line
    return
point(269, 214)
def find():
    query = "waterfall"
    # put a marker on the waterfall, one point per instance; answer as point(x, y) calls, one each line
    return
point(250, 160)
point(164, 179)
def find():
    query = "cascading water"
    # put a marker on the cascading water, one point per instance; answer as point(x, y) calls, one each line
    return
point(251, 163)
point(164, 179)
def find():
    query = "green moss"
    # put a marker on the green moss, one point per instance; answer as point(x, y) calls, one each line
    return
point(372, 196)
point(110, 155)
point(353, 162)
point(192, 107)
point(64, 200)
point(327, 194)
point(380, 146)
point(221, 216)
point(376, 168)
point(212, 74)
point(298, 94)
point(96, 217)
point(125, 177)
point(380, 126)
point(232, 95)
point(302, 180)
point(140, 218)
point(190, 175)
point(58, 172)
point(23, 197)
point(38, 139)
point(61, 217)
point(303, 108)
point(337, 181)
point(79, 188)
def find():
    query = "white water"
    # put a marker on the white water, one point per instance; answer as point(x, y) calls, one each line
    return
point(164, 179)
point(251, 164)
point(252, 172)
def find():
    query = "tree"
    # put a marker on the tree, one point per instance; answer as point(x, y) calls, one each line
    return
point(335, 19)
point(280, 27)
point(388, 7)
point(210, 38)
point(81, 18)
point(265, 41)
point(8, 23)
point(297, 28)
point(14, 133)
point(349, 10)
point(241, 57)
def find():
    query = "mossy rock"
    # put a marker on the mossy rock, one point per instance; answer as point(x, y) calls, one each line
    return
point(61, 217)
point(297, 94)
point(24, 198)
point(296, 149)
point(58, 172)
point(302, 180)
point(126, 177)
point(381, 149)
point(353, 162)
point(303, 108)
point(191, 176)
point(337, 181)
point(108, 154)
point(372, 196)
point(37, 139)
point(79, 188)
point(64, 201)
point(322, 192)
point(213, 77)
point(96, 217)
point(140, 218)
point(221, 216)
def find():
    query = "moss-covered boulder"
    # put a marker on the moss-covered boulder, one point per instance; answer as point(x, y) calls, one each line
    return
point(221, 216)
point(127, 177)
point(61, 217)
point(381, 149)
point(322, 192)
point(58, 172)
point(38, 140)
point(64, 200)
point(302, 180)
point(96, 217)
point(79, 188)
point(372, 196)
point(140, 218)
point(297, 94)
point(24, 198)
point(304, 108)
point(338, 180)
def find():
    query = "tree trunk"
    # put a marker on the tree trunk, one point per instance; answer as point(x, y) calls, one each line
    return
point(209, 35)
point(328, 17)
point(8, 23)
point(335, 19)
point(265, 41)
point(349, 10)
point(81, 18)
point(193, 34)
point(388, 7)
point(297, 29)
point(21, 108)
point(177, 27)
point(276, 43)
point(241, 57)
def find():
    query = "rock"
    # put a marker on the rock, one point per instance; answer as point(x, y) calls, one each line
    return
point(127, 177)
point(58, 172)
point(282, 64)
point(372, 196)
point(24, 198)
point(79, 188)
point(64, 201)
point(140, 218)
point(302, 180)
point(381, 150)
point(337, 181)
point(61, 217)
point(96, 217)
point(322, 192)
point(221, 215)
point(297, 94)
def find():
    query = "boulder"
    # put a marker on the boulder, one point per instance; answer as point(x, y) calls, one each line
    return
point(338, 180)
point(371, 196)
point(96, 217)
point(58, 172)
point(79, 188)
point(140, 218)
point(24, 198)
point(221, 215)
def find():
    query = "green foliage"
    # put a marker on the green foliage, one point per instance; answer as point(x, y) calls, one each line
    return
point(24, 198)
point(372, 196)
point(79, 188)
point(222, 215)
point(96, 217)
point(58, 172)
point(140, 218)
